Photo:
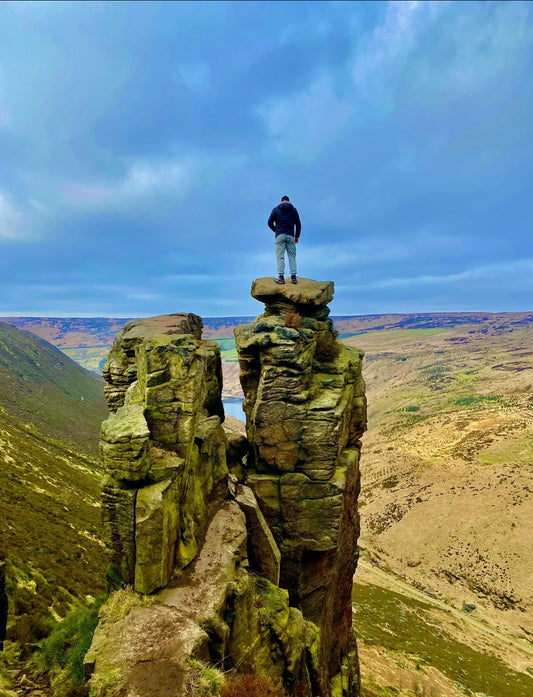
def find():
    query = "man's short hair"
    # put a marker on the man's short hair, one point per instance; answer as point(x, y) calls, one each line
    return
point(284, 198)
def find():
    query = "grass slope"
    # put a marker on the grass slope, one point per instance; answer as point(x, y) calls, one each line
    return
point(50, 415)
point(447, 464)
point(40, 385)
point(49, 529)
point(407, 648)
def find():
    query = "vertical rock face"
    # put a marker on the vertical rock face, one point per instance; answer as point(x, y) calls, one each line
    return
point(250, 566)
point(305, 411)
point(3, 604)
point(163, 446)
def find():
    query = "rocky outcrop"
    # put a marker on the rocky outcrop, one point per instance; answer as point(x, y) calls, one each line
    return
point(306, 411)
point(147, 650)
point(163, 447)
point(3, 604)
point(241, 547)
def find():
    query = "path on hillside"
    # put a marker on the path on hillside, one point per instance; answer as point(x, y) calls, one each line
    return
point(406, 589)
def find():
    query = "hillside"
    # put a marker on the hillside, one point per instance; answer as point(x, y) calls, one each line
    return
point(87, 340)
point(447, 463)
point(445, 503)
point(50, 415)
point(40, 385)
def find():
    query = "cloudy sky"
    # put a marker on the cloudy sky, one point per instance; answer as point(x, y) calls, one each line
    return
point(143, 145)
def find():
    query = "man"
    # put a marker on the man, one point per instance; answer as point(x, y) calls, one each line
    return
point(285, 222)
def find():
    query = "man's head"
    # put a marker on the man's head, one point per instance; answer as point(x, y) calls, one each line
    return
point(284, 198)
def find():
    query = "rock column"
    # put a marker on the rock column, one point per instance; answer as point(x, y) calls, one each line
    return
point(306, 411)
point(163, 447)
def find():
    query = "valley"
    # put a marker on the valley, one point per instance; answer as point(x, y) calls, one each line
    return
point(445, 501)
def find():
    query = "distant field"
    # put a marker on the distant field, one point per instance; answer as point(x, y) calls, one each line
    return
point(393, 333)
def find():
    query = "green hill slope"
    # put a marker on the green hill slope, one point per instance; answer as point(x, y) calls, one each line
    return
point(40, 385)
point(50, 416)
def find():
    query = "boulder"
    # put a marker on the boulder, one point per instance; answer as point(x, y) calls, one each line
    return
point(145, 648)
point(304, 297)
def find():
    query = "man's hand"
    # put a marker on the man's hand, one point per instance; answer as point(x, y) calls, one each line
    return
point(296, 239)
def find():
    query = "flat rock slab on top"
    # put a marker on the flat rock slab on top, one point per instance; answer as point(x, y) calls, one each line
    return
point(305, 292)
point(150, 327)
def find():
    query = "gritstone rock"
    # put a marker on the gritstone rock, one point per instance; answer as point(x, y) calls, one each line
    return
point(305, 413)
point(163, 446)
point(239, 543)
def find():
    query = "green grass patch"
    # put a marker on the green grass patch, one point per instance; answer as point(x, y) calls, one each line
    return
point(466, 378)
point(401, 624)
point(348, 335)
point(226, 344)
point(61, 654)
point(48, 493)
point(468, 401)
point(229, 356)
point(39, 384)
point(518, 452)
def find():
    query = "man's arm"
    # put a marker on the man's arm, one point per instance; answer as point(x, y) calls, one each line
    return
point(298, 225)
point(272, 220)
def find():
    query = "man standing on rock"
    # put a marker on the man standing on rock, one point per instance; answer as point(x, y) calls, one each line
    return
point(285, 222)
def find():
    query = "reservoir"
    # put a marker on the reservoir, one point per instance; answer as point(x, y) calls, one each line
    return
point(233, 407)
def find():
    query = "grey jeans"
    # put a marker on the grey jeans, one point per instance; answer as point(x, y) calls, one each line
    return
point(286, 242)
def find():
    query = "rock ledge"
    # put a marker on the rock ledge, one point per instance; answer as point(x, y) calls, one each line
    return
point(305, 294)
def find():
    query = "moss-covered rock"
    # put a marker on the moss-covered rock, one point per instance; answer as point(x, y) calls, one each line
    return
point(143, 648)
point(163, 446)
point(124, 443)
point(305, 412)
point(263, 552)
point(260, 584)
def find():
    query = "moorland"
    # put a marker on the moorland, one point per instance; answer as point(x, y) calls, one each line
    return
point(443, 592)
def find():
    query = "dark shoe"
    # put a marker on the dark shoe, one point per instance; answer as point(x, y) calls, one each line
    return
point(281, 279)
point(293, 279)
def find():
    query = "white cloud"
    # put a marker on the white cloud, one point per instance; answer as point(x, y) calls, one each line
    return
point(10, 220)
point(142, 179)
point(391, 39)
point(467, 48)
point(303, 125)
point(521, 268)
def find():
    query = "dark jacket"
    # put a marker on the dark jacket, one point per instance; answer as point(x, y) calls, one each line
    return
point(284, 219)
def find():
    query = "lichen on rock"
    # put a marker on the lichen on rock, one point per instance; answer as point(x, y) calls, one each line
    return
point(306, 411)
point(163, 446)
point(246, 544)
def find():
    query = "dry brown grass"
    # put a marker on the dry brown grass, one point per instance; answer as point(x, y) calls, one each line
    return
point(327, 346)
point(292, 319)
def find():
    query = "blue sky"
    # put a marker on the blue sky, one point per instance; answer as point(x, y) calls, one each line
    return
point(143, 145)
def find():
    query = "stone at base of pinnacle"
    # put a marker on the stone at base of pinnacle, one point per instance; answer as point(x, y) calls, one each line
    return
point(305, 292)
